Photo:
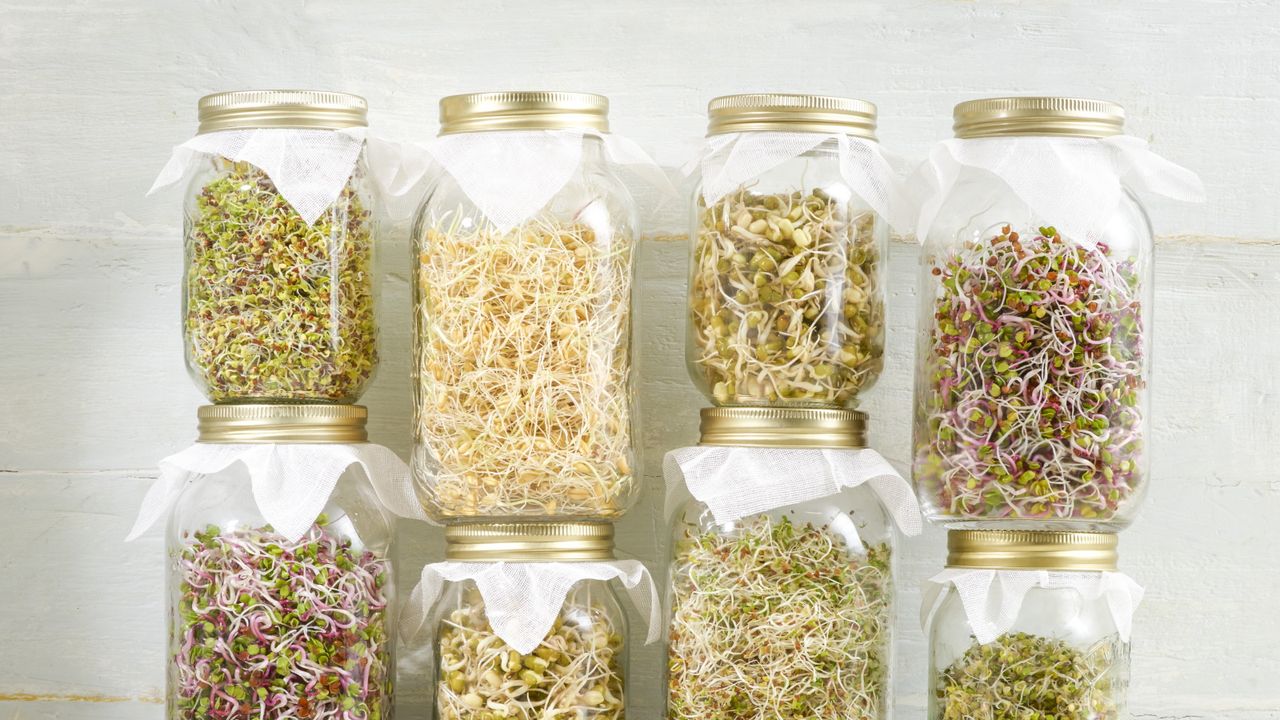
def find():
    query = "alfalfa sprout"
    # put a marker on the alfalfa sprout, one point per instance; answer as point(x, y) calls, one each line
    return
point(778, 620)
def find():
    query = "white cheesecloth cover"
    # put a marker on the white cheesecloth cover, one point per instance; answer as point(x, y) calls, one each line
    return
point(1074, 184)
point(736, 482)
point(522, 600)
point(291, 482)
point(512, 174)
point(309, 167)
point(992, 599)
point(731, 160)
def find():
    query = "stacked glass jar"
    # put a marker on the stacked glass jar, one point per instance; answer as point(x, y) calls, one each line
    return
point(524, 264)
point(781, 607)
point(522, 343)
point(1031, 400)
point(1060, 645)
point(266, 623)
point(785, 612)
point(280, 332)
point(578, 668)
point(275, 308)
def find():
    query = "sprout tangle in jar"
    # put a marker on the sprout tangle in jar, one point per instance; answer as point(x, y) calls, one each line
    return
point(268, 628)
point(1029, 676)
point(577, 671)
point(523, 384)
point(777, 619)
point(1033, 355)
point(786, 306)
point(1033, 379)
point(1029, 624)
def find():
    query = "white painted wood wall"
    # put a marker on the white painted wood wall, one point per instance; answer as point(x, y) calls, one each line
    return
point(93, 391)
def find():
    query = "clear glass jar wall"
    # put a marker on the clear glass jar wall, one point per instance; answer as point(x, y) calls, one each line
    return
point(786, 299)
point(1033, 363)
point(1062, 659)
point(782, 614)
point(264, 627)
point(522, 351)
point(275, 310)
point(577, 671)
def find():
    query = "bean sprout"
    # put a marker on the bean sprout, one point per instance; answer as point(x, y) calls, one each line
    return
point(1034, 372)
point(774, 621)
point(574, 673)
point(785, 300)
point(523, 393)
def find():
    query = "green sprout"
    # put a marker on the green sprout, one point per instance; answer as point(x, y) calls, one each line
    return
point(1020, 676)
point(276, 309)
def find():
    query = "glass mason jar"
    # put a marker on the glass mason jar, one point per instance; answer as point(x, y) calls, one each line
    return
point(274, 309)
point(788, 612)
point(266, 627)
point(579, 670)
point(786, 298)
point(522, 342)
point(1062, 658)
point(1034, 348)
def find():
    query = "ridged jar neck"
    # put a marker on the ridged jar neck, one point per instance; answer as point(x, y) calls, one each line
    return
point(301, 109)
point(1044, 116)
point(529, 542)
point(283, 423)
point(787, 112)
point(783, 427)
point(1031, 550)
point(524, 110)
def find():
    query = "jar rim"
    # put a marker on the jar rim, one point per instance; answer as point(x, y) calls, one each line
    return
point(783, 427)
point(282, 423)
point(529, 541)
point(1032, 550)
point(1038, 115)
point(791, 112)
point(300, 109)
point(524, 110)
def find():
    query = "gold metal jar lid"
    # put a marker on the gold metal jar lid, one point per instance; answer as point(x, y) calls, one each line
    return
point(293, 423)
point(1031, 550)
point(524, 110)
point(1057, 116)
point(791, 113)
point(318, 109)
point(529, 542)
point(783, 427)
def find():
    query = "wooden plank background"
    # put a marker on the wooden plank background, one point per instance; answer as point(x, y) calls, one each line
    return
point(93, 390)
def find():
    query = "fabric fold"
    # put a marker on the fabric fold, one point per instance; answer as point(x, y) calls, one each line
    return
point(523, 600)
point(736, 482)
point(992, 599)
point(309, 167)
point(732, 160)
point(291, 483)
point(1074, 184)
point(512, 175)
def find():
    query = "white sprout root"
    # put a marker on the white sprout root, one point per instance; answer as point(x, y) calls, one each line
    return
point(523, 393)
